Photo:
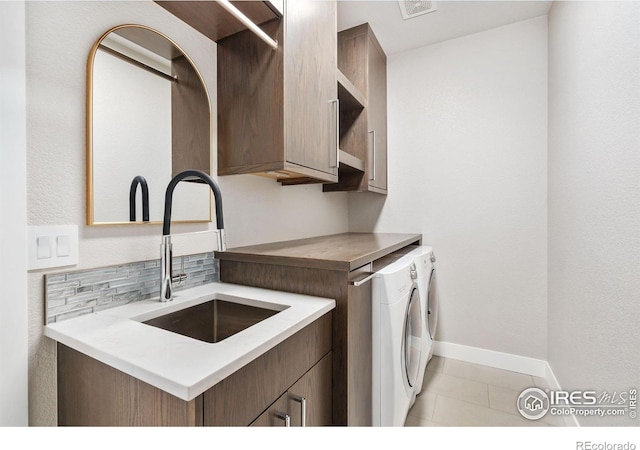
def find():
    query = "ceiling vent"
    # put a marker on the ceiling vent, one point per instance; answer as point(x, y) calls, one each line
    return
point(413, 8)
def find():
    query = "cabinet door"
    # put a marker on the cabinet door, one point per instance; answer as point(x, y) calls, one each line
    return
point(377, 116)
point(310, 399)
point(307, 402)
point(310, 50)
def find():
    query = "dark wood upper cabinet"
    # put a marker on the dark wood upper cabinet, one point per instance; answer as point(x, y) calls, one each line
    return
point(277, 114)
point(377, 115)
point(362, 81)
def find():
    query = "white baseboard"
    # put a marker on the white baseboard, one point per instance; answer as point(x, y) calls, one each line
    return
point(570, 421)
point(491, 358)
point(506, 361)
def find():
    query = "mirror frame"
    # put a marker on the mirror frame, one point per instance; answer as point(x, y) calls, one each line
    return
point(90, 202)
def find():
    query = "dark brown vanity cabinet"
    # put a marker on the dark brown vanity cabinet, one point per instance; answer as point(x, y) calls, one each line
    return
point(362, 79)
point(91, 393)
point(277, 109)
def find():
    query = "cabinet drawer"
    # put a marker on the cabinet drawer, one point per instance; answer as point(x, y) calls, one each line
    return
point(240, 398)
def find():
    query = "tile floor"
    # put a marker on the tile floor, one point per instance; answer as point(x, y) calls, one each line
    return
point(458, 393)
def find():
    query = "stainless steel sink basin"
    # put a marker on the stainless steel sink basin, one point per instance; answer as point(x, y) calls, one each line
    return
point(212, 321)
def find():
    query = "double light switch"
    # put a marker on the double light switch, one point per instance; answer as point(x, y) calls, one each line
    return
point(53, 246)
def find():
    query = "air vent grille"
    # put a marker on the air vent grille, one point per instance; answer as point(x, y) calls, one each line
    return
point(414, 8)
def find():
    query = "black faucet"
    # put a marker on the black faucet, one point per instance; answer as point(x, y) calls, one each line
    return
point(166, 252)
point(139, 180)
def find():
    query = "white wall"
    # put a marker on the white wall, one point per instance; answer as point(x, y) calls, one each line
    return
point(13, 217)
point(467, 159)
point(58, 40)
point(594, 197)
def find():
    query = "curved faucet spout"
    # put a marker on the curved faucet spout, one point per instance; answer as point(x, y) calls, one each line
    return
point(197, 176)
point(139, 180)
point(166, 252)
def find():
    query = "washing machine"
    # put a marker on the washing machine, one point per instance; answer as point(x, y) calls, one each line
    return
point(424, 260)
point(398, 341)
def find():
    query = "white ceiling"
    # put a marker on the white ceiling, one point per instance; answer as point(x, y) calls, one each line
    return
point(453, 18)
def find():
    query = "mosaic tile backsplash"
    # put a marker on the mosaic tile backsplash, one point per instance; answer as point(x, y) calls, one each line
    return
point(72, 294)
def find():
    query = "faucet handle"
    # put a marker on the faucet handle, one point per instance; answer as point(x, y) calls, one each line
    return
point(179, 278)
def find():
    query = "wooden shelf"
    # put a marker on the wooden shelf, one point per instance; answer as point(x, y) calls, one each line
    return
point(350, 168)
point(348, 161)
point(350, 97)
point(350, 173)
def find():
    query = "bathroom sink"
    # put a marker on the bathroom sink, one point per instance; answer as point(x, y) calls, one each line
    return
point(212, 321)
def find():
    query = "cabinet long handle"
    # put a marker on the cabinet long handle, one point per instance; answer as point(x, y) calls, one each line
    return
point(373, 155)
point(362, 281)
point(337, 103)
point(303, 409)
point(285, 417)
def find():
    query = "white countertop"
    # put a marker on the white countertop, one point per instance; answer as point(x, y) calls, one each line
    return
point(177, 364)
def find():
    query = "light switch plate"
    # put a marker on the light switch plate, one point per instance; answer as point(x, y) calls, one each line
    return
point(53, 246)
point(43, 247)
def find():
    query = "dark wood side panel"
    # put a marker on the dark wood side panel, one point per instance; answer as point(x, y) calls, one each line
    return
point(91, 393)
point(352, 57)
point(190, 120)
point(359, 353)
point(300, 280)
point(240, 398)
point(353, 132)
point(212, 20)
point(250, 109)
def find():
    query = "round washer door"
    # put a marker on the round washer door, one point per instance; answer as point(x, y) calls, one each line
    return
point(432, 305)
point(412, 342)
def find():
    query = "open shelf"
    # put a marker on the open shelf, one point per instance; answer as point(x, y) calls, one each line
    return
point(350, 97)
point(348, 161)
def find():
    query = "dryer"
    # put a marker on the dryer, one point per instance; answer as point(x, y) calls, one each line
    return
point(397, 341)
point(424, 260)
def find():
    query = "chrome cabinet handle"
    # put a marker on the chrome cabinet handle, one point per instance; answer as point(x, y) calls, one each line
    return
point(362, 281)
point(303, 409)
point(285, 417)
point(373, 155)
point(337, 102)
